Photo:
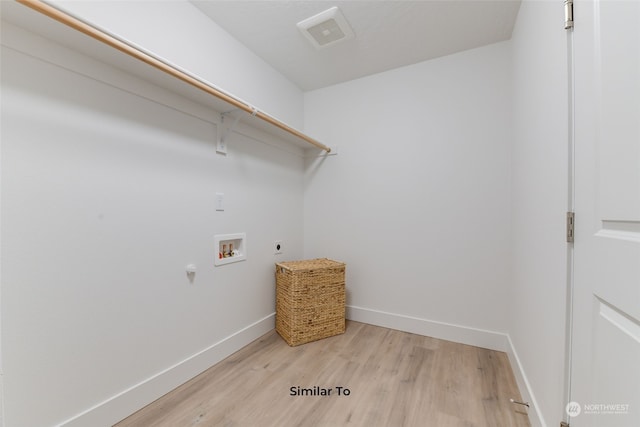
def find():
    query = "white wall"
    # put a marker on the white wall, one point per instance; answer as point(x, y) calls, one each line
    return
point(106, 197)
point(540, 171)
point(180, 33)
point(417, 200)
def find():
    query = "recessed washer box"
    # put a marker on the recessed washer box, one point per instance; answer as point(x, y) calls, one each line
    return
point(230, 248)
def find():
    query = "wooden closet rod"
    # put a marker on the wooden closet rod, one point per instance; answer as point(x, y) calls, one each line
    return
point(124, 47)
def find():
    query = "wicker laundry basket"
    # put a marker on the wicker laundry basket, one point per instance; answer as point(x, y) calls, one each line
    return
point(310, 300)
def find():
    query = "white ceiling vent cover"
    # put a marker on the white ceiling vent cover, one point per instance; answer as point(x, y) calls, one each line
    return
point(326, 28)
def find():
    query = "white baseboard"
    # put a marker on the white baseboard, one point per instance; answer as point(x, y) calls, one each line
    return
point(129, 401)
point(461, 334)
point(445, 331)
point(535, 417)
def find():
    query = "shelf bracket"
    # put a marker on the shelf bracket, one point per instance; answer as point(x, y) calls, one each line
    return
point(223, 132)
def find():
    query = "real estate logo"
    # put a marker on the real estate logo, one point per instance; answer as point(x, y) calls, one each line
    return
point(573, 409)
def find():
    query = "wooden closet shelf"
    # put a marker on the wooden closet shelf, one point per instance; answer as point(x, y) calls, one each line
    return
point(222, 100)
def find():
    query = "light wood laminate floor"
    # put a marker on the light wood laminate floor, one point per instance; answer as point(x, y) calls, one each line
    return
point(394, 378)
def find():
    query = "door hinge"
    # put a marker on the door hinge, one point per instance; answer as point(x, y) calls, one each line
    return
point(571, 218)
point(568, 14)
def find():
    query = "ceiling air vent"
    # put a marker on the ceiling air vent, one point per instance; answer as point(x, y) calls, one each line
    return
point(326, 28)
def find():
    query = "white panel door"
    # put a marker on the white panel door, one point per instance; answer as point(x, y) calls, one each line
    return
point(605, 376)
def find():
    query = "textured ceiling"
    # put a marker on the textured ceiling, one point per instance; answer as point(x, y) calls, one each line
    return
point(388, 34)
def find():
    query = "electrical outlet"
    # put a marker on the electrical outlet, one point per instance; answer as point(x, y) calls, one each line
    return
point(220, 201)
point(277, 247)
